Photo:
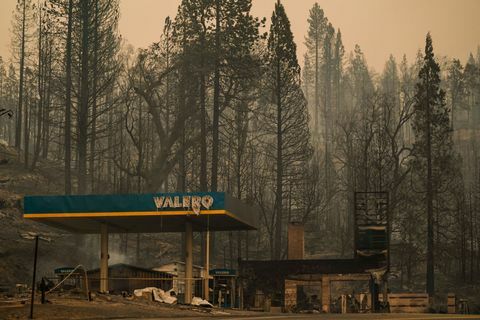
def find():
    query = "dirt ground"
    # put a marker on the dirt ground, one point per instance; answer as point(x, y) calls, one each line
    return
point(117, 307)
point(103, 310)
point(109, 308)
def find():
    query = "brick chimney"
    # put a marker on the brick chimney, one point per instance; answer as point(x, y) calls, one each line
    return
point(296, 240)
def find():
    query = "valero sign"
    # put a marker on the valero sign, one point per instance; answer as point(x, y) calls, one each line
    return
point(150, 203)
point(194, 203)
point(79, 212)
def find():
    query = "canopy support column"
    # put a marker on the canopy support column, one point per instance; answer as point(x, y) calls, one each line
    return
point(104, 258)
point(188, 261)
point(206, 292)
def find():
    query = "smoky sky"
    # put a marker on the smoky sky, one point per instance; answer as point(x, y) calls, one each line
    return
point(380, 27)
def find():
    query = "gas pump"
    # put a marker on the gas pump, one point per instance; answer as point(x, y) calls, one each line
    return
point(224, 288)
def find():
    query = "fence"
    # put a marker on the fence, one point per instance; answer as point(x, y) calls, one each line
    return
point(408, 302)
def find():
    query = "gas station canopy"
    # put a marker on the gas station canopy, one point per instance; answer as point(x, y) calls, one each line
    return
point(142, 213)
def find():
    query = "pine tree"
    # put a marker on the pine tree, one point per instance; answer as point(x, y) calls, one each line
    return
point(82, 116)
point(11, 90)
point(68, 101)
point(456, 88)
point(44, 72)
point(286, 115)
point(338, 55)
point(390, 80)
point(471, 77)
point(360, 81)
point(317, 24)
point(22, 23)
point(95, 42)
point(3, 104)
point(433, 144)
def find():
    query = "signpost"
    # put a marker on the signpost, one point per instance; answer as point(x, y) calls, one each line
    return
point(372, 236)
point(33, 278)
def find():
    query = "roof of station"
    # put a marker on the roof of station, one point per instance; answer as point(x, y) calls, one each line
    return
point(142, 213)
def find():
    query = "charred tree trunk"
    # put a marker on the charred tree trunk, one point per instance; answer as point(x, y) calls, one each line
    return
point(68, 102)
point(26, 128)
point(18, 128)
point(41, 96)
point(83, 108)
point(46, 114)
point(216, 102)
point(93, 138)
point(279, 164)
point(429, 200)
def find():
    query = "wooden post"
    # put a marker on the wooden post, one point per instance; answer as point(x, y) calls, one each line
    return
point(188, 261)
point(240, 295)
point(232, 292)
point(325, 294)
point(344, 303)
point(213, 293)
point(451, 303)
point(104, 258)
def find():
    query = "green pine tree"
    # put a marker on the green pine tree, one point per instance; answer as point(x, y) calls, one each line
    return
point(286, 116)
point(433, 145)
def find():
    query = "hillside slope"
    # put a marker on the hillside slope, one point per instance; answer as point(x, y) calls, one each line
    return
point(57, 248)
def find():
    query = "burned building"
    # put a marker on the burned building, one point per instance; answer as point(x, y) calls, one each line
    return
point(124, 277)
point(324, 284)
point(286, 283)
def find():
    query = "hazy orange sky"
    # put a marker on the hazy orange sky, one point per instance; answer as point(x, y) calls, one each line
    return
point(380, 27)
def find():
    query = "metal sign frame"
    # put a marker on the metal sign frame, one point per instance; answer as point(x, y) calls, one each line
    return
point(371, 210)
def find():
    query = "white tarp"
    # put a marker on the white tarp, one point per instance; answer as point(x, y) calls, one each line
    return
point(158, 294)
point(196, 301)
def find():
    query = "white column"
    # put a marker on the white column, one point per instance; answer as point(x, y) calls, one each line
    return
point(104, 258)
point(207, 267)
point(188, 261)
